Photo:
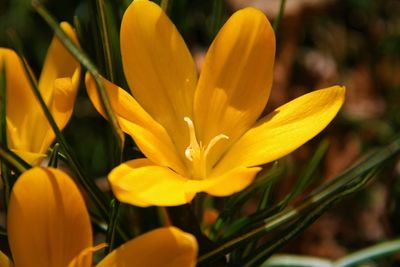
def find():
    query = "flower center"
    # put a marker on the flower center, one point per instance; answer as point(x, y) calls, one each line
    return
point(196, 153)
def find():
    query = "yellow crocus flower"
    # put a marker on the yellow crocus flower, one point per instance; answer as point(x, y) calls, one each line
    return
point(203, 134)
point(28, 132)
point(49, 226)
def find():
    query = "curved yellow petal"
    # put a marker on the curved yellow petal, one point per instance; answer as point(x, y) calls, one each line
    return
point(158, 67)
point(149, 135)
point(5, 261)
point(230, 182)
point(19, 94)
point(139, 182)
point(85, 256)
point(48, 224)
point(33, 159)
point(285, 129)
point(163, 247)
point(236, 79)
point(59, 63)
point(58, 84)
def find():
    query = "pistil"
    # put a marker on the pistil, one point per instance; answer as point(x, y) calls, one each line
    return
point(196, 153)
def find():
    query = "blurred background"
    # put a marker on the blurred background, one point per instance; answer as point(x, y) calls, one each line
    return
point(355, 43)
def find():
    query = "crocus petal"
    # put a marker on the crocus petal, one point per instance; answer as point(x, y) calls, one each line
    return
point(236, 79)
point(139, 182)
point(285, 129)
point(59, 63)
point(230, 182)
point(28, 128)
point(163, 247)
point(48, 224)
point(83, 258)
point(58, 85)
point(33, 159)
point(158, 67)
point(149, 135)
point(19, 94)
point(5, 261)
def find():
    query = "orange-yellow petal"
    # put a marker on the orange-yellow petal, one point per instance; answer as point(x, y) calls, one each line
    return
point(5, 261)
point(158, 67)
point(33, 159)
point(139, 182)
point(48, 224)
point(58, 85)
point(19, 94)
point(230, 182)
point(59, 63)
point(83, 258)
point(285, 129)
point(236, 79)
point(163, 247)
point(149, 135)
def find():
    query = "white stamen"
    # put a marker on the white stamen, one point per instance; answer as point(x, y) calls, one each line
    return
point(193, 145)
point(197, 153)
point(213, 142)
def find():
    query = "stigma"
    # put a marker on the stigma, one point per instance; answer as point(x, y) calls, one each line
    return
point(197, 153)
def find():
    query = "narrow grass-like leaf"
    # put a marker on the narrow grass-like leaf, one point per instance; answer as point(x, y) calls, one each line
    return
point(310, 170)
point(278, 19)
point(164, 5)
point(13, 161)
point(307, 218)
point(3, 231)
point(261, 206)
point(373, 252)
point(283, 260)
point(353, 259)
point(3, 104)
point(105, 37)
point(217, 17)
point(303, 181)
point(236, 201)
point(335, 186)
point(53, 158)
point(112, 225)
point(4, 171)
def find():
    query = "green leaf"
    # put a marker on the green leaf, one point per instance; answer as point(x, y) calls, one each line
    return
point(348, 180)
point(236, 201)
point(353, 259)
point(306, 218)
point(53, 158)
point(5, 172)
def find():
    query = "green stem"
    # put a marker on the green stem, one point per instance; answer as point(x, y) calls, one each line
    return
point(164, 5)
point(105, 37)
point(278, 19)
point(3, 107)
point(53, 159)
point(11, 158)
point(5, 174)
point(184, 218)
point(110, 238)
